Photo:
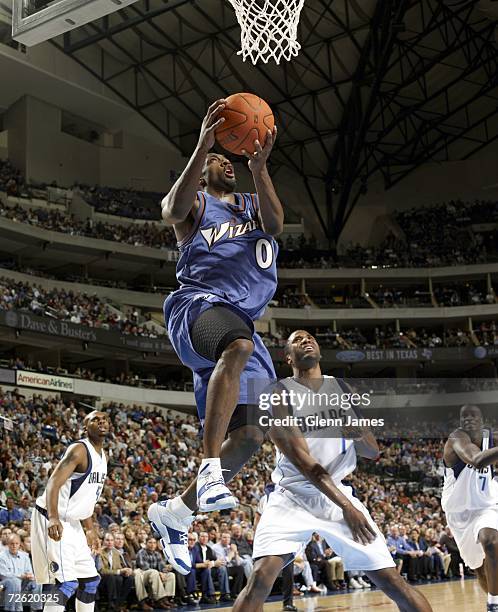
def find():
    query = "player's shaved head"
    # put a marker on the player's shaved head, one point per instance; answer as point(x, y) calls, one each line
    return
point(218, 173)
point(302, 350)
point(471, 417)
point(470, 408)
point(288, 344)
point(97, 426)
point(95, 414)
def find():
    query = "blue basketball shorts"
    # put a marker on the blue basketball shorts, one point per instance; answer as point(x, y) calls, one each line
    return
point(181, 309)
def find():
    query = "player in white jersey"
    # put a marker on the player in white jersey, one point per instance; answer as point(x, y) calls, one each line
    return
point(470, 498)
point(60, 548)
point(309, 495)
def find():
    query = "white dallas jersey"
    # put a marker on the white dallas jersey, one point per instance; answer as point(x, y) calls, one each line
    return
point(79, 494)
point(467, 488)
point(337, 455)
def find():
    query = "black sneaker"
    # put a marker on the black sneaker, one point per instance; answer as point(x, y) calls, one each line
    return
point(492, 607)
point(208, 599)
point(290, 608)
point(226, 597)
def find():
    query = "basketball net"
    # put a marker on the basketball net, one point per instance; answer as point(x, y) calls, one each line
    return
point(269, 28)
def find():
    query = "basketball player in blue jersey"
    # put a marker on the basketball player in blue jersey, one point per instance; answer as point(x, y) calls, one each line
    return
point(227, 274)
point(470, 498)
point(309, 494)
point(60, 549)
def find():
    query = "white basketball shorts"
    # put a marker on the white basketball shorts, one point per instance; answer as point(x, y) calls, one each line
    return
point(288, 521)
point(68, 559)
point(466, 526)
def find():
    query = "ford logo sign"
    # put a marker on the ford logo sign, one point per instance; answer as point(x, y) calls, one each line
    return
point(350, 356)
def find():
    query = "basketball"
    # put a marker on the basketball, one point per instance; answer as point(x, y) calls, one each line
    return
point(247, 118)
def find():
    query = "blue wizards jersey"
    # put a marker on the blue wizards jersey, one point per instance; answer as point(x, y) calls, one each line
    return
point(228, 254)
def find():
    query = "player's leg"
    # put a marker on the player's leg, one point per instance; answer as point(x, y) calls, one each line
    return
point(488, 538)
point(86, 594)
point(394, 586)
point(374, 558)
point(53, 562)
point(223, 337)
point(482, 577)
point(84, 568)
point(172, 519)
point(258, 587)
point(236, 451)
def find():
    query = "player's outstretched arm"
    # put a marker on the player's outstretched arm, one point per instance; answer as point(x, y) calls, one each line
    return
point(461, 444)
point(176, 206)
point(270, 207)
point(74, 460)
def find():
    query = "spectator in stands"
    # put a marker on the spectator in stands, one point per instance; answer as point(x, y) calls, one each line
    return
point(243, 548)
point(24, 507)
point(440, 561)
point(104, 520)
point(317, 553)
point(16, 577)
point(448, 543)
point(138, 575)
point(11, 514)
point(158, 579)
point(200, 572)
point(228, 553)
point(204, 554)
point(303, 573)
point(5, 533)
point(335, 570)
point(423, 564)
point(397, 546)
point(131, 544)
point(117, 580)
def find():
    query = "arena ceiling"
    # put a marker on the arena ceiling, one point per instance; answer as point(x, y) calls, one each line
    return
point(378, 86)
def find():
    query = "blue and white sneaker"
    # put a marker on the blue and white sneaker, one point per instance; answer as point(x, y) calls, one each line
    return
point(212, 492)
point(173, 532)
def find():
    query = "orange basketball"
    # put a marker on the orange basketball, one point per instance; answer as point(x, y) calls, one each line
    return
point(247, 118)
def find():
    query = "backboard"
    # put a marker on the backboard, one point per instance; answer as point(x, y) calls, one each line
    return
point(34, 21)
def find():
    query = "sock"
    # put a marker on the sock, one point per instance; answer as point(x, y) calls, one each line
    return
point(53, 607)
point(213, 463)
point(84, 607)
point(178, 507)
point(492, 599)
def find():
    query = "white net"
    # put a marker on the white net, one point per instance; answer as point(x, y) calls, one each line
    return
point(269, 28)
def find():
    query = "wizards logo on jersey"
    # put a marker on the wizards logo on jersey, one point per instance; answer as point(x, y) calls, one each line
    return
point(213, 234)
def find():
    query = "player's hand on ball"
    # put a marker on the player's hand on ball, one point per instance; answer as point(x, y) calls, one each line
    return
point(361, 529)
point(211, 121)
point(257, 160)
point(55, 529)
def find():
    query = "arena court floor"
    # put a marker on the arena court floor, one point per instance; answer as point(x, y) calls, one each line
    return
point(454, 596)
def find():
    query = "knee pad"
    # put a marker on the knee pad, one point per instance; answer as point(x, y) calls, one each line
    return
point(215, 329)
point(87, 589)
point(65, 590)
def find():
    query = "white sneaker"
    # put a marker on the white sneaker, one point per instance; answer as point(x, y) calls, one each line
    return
point(354, 584)
point(363, 583)
point(212, 492)
point(173, 532)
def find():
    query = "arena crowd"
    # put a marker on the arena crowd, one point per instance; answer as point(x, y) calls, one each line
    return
point(152, 455)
